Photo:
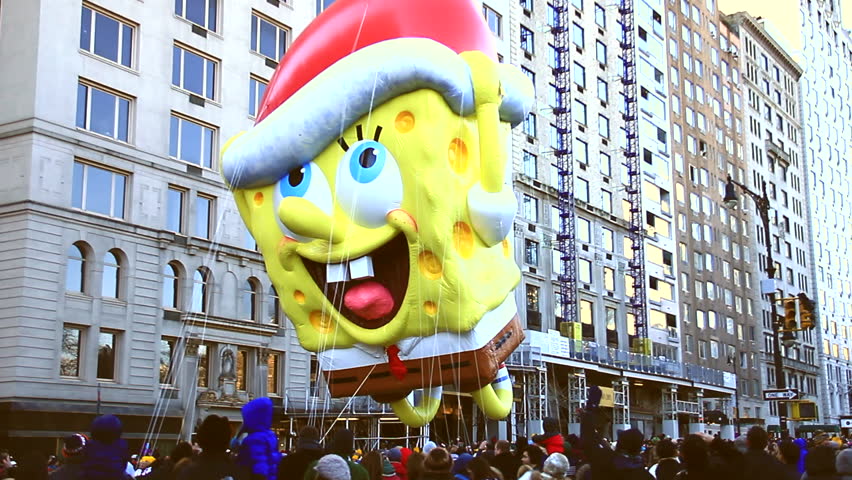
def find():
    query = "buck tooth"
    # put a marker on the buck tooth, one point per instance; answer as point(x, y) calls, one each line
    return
point(361, 267)
point(336, 272)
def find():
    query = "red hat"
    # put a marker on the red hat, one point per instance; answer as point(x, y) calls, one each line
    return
point(352, 58)
point(350, 25)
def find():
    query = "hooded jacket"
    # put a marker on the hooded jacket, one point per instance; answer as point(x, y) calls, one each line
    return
point(106, 454)
point(551, 440)
point(259, 449)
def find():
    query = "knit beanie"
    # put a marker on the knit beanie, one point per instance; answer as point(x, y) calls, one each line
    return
point(843, 462)
point(332, 467)
point(387, 468)
point(395, 454)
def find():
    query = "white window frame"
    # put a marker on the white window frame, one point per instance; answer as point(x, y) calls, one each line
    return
point(255, 96)
point(120, 41)
point(178, 141)
point(207, 4)
point(208, 63)
point(256, 19)
point(87, 119)
point(84, 181)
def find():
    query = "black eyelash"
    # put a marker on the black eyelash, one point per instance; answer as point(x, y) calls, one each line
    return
point(360, 131)
point(378, 133)
point(343, 144)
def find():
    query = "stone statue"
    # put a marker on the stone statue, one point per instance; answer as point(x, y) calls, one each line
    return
point(228, 371)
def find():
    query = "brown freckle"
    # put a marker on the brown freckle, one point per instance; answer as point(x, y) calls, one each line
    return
point(404, 121)
point(457, 155)
point(430, 265)
point(321, 321)
point(463, 239)
point(258, 199)
point(506, 248)
point(299, 297)
point(430, 308)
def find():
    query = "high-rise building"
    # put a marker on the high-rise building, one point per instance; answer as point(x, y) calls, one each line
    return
point(774, 150)
point(130, 285)
point(650, 385)
point(816, 37)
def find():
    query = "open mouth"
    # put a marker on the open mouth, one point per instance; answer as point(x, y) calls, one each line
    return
point(368, 290)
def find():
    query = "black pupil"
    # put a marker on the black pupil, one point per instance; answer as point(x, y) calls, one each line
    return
point(296, 176)
point(367, 158)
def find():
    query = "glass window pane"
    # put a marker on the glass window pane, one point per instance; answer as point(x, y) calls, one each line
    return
point(82, 102)
point(166, 347)
point(190, 142)
point(272, 374)
point(193, 72)
point(109, 286)
point(210, 79)
point(126, 45)
point(203, 365)
point(196, 11)
point(174, 129)
point(176, 64)
point(202, 217)
point(207, 148)
point(69, 359)
point(98, 190)
point(106, 356)
point(106, 37)
point(118, 195)
point(211, 14)
point(77, 188)
point(254, 22)
point(268, 35)
point(170, 284)
point(85, 28)
point(242, 357)
point(102, 113)
point(74, 270)
point(174, 215)
point(123, 119)
point(179, 7)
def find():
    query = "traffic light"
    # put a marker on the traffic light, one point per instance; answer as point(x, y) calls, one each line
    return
point(806, 311)
point(790, 315)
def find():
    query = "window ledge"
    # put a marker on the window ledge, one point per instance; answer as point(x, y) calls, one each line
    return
point(114, 301)
point(104, 137)
point(207, 101)
point(190, 24)
point(109, 62)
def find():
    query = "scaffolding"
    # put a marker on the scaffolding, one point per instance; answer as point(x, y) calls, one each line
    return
point(566, 286)
point(620, 402)
point(636, 265)
point(576, 396)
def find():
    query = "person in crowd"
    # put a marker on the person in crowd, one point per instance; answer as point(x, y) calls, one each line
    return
point(843, 464)
point(696, 459)
point(555, 467)
point(551, 439)
point(308, 450)
point(668, 464)
point(258, 451)
point(803, 452)
point(428, 446)
point(329, 467)
point(397, 457)
point(414, 465)
point(480, 469)
point(820, 463)
point(343, 444)
point(388, 472)
point(145, 466)
point(758, 463)
point(460, 466)
point(486, 449)
point(32, 465)
point(725, 459)
point(105, 456)
point(505, 461)
point(531, 460)
point(372, 463)
point(5, 464)
point(788, 455)
point(437, 465)
point(521, 444)
point(72, 456)
point(214, 462)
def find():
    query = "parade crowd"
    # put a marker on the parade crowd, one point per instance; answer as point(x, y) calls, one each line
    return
point(253, 455)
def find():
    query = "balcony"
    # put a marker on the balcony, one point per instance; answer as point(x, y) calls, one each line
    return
point(585, 351)
point(778, 153)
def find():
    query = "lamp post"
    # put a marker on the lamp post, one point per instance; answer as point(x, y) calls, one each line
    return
point(761, 201)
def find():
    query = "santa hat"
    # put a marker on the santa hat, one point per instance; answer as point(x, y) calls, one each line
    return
point(353, 57)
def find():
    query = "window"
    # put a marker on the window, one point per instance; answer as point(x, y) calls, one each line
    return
point(257, 87)
point(531, 252)
point(242, 369)
point(532, 298)
point(194, 72)
point(69, 357)
point(530, 165)
point(584, 269)
point(171, 286)
point(606, 201)
point(529, 74)
point(203, 366)
point(203, 216)
point(75, 273)
point(603, 126)
point(106, 36)
point(192, 142)
point(323, 4)
point(581, 151)
point(579, 74)
point(274, 305)
point(175, 204)
point(581, 190)
point(608, 237)
point(600, 16)
point(248, 305)
point(167, 352)
point(493, 19)
point(98, 190)
point(529, 124)
point(580, 112)
point(702, 349)
point(200, 290)
point(609, 279)
point(106, 355)
point(268, 37)
point(600, 52)
point(578, 36)
point(587, 312)
point(111, 280)
point(273, 373)
point(527, 40)
point(603, 90)
point(200, 12)
point(584, 230)
point(530, 208)
point(103, 112)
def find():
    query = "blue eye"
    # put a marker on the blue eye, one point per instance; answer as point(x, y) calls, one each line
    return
point(296, 182)
point(366, 160)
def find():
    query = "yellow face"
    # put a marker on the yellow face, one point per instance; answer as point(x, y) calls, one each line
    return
point(371, 241)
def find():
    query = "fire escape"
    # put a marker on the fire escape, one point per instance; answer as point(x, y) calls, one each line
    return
point(636, 265)
point(566, 285)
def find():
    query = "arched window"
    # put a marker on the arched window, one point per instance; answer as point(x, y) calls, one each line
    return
point(200, 290)
point(248, 303)
point(171, 286)
point(111, 283)
point(273, 313)
point(75, 273)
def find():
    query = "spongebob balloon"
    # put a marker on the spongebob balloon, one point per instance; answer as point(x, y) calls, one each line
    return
point(374, 183)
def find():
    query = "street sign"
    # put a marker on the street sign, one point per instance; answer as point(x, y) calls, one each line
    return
point(781, 394)
point(845, 422)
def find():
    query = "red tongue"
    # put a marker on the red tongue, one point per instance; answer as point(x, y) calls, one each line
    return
point(369, 300)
